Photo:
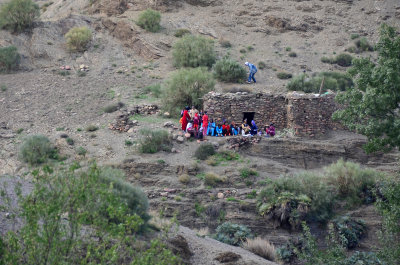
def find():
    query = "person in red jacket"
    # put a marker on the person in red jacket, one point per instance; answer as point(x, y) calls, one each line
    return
point(226, 130)
point(185, 118)
point(205, 124)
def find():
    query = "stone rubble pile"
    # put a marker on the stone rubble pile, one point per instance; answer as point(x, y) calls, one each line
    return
point(124, 121)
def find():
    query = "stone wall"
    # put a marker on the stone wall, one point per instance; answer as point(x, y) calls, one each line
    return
point(306, 114)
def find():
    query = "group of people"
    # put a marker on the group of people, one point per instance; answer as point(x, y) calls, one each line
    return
point(197, 124)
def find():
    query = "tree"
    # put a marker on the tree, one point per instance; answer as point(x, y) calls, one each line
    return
point(371, 107)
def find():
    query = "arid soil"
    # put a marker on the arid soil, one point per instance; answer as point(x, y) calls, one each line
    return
point(123, 59)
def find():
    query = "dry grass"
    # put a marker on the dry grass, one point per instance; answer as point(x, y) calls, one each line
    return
point(184, 178)
point(261, 247)
point(213, 179)
point(205, 231)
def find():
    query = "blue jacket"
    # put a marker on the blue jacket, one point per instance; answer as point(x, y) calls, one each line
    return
point(252, 68)
point(219, 129)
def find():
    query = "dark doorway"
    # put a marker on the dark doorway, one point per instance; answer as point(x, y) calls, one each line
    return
point(249, 116)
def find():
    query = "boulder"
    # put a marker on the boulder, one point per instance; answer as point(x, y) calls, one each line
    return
point(180, 139)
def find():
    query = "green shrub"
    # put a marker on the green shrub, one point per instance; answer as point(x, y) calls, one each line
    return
point(181, 32)
point(193, 51)
point(3, 88)
point(204, 151)
point(261, 65)
point(212, 179)
point(325, 59)
point(154, 89)
point(149, 20)
point(292, 54)
point(354, 36)
point(349, 231)
point(18, 15)
point(70, 141)
point(228, 70)
point(186, 87)
point(113, 107)
point(81, 151)
point(232, 234)
point(334, 81)
point(247, 172)
point(364, 258)
point(288, 49)
point(134, 197)
point(363, 45)
point(153, 141)
point(9, 59)
point(36, 149)
point(284, 75)
point(225, 43)
point(78, 39)
point(344, 59)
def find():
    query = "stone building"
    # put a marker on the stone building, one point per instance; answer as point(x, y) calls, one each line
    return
point(306, 114)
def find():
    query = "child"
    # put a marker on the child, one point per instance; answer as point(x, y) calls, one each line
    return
point(196, 121)
point(245, 127)
point(254, 128)
point(211, 128)
point(226, 130)
point(234, 128)
point(219, 130)
point(271, 130)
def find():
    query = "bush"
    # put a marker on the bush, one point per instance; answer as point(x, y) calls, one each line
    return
point(154, 89)
point(184, 178)
point(232, 234)
point(9, 59)
point(349, 231)
point(292, 54)
point(18, 15)
point(181, 32)
point(364, 258)
point(228, 70)
point(81, 151)
point(204, 151)
point(334, 81)
point(261, 247)
point(325, 59)
point(78, 39)
point(153, 141)
point(212, 179)
point(193, 51)
point(261, 65)
point(225, 43)
point(149, 20)
point(363, 45)
point(134, 197)
point(283, 75)
point(344, 59)
point(113, 107)
point(247, 172)
point(36, 149)
point(91, 128)
point(186, 87)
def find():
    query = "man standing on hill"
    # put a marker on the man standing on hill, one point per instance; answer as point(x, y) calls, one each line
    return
point(252, 71)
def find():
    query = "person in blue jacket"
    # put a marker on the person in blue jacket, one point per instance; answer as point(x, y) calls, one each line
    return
point(253, 128)
point(211, 128)
point(219, 130)
point(252, 72)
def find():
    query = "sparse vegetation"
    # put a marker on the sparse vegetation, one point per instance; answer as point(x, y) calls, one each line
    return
point(18, 15)
point(184, 178)
point(223, 156)
point(153, 141)
point(81, 151)
point(36, 149)
point(354, 36)
point(363, 45)
point(262, 65)
point(204, 151)
point(154, 89)
point(232, 234)
point(70, 141)
point(284, 75)
point(91, 128)
point(247, 172)
point(292, 54)
point(225, 43)
point(212, 179)
point(228, 70)
point(334, 81)
point(149, 20)
point(113, 107)
point(128, 143)
point(342, 59)
point(193, 51)
point(186, 87)
point(261, 247)
point(78, 39)
point(64, 72)
point(9, 59)
point(181, 32)
point(3, 88)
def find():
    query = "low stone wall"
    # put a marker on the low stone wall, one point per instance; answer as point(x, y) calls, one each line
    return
point(306, 114)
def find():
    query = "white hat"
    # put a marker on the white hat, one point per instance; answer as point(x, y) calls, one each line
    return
point(246, 63)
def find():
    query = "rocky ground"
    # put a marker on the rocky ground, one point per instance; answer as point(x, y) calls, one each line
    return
point(123, 59)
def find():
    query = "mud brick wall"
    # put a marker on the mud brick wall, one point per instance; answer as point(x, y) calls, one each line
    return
point(306, 114)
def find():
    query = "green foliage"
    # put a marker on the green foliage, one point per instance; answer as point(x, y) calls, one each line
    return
point(154, 89)
point(36, 149)
point(156, 254)
point(64, 72)
point(132, 196)
point(70, 141)
point(342, 59)
point(363, 45)
point(261, 65)
point(64, 223)
point(113, 107)
point(9, 59)
point(186, 87)
point(78, 39)
point(212, 179)
point(18, 15)
point(247, 172)
point(232, 234)
point(349, 230)
point(223, 156)
point(81, 151)
point(181, 32)
point(389, 207)
point(334, 81)
point(354, 36)
point(364, 258)
point(284, 75)
point(149, 20)
point(371, 107)
point(193, 51)
point(3, 88)
point(128, 143)
point(153, 141)
point(228, 70)
point(204, 151)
